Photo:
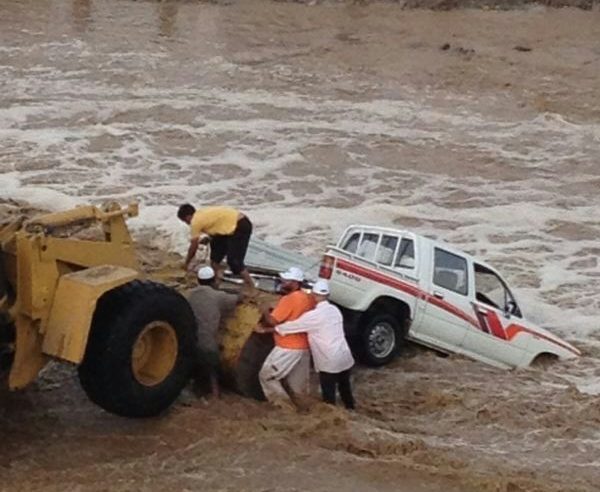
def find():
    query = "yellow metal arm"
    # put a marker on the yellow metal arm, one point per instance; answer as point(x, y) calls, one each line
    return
point(82, 214)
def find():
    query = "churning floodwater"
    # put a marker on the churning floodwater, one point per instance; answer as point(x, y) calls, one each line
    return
point(311, 118)
point(295, 115)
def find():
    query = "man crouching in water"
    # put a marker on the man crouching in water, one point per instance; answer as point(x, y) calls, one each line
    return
point(210, 306)
point(289, 361)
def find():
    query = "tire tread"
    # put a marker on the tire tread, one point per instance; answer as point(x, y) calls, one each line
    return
point(105, 373)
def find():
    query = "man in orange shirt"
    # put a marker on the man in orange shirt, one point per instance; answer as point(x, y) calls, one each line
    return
point(289, 361)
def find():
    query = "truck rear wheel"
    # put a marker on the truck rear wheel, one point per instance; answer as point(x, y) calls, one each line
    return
point(380, 339)
point(140, 350)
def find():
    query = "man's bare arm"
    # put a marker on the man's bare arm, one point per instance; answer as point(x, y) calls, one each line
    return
point(305, 323)
point(267, 319)
point(191, 251)
point(264, 329)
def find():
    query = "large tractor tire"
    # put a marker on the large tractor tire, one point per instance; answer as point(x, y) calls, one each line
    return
point(7, 332)
point(4, 291)
point(140, 350)
point(3, 279)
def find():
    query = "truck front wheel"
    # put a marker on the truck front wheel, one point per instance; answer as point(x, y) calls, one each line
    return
point(140, 350)
point(380, 339)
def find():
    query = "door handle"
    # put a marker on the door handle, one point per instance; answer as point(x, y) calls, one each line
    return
point(482, 310)
point(438, 294)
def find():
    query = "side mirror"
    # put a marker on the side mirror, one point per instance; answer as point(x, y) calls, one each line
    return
point(510, 308)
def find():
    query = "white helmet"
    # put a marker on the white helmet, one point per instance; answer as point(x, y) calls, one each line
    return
point(206, 273)
point(321, 287)
point(293, 273)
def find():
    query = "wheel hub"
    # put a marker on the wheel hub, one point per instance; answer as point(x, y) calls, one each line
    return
point(382, 340)
point(154, 353)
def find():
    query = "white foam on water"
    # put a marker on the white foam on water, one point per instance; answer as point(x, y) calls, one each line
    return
point(42, 197)
point(51, 158)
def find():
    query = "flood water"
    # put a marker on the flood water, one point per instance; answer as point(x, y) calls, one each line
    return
point(478, 127)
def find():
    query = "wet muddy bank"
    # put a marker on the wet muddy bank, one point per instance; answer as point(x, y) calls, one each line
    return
point(423, 424)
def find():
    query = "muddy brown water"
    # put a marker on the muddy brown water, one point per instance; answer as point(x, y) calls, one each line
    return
point(481, 127)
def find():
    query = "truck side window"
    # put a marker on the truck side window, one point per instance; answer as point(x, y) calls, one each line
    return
point(450, 271)
point(386, 250)
point(406, 254)
point(368, 246)
point(491, 290)
point(351, 244)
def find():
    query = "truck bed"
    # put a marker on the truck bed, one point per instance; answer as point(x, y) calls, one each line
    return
point(267, 258)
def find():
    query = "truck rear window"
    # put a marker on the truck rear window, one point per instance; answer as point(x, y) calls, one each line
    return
point(351, 244)
point(368, 246)
point(406, 254)
point(387, 248)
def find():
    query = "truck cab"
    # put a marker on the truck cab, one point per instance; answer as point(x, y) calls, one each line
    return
point(394, 285)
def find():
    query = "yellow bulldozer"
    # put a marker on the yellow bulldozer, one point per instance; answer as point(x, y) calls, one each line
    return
point(84, 301)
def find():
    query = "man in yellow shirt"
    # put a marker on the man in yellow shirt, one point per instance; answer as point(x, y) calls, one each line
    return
point(229, 231)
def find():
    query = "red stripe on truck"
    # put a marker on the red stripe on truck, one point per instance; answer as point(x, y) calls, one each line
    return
point(511, 331)
point(413, 290)
point(379, 277)
point(495, 325)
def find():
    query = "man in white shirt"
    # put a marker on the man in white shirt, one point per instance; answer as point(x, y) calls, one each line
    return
point(331, 355)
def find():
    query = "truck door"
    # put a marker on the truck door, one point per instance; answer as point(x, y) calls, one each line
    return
point(448, 311)
point(496, 310)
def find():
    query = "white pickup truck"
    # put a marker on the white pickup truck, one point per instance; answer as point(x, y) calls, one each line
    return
point(394, 285)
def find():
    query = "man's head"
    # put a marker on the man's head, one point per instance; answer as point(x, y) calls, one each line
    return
point(186, 212)
point(291, 279)
point(320, 290)
point(206, 276)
